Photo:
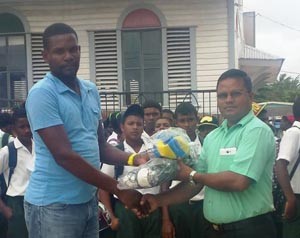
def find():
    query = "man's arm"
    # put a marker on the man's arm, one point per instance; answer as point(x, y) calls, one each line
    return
point(285, 184)
point(178, 194)
point(252, 156)
point(224, 181)
point(56, 140)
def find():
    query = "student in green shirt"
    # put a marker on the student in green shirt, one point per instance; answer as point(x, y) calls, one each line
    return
point(235, 165)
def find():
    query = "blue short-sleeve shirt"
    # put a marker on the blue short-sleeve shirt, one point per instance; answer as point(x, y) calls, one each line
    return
point(50, 103)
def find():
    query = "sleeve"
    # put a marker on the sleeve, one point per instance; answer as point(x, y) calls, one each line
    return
point(201, 165)
point(108, 170)
point(42, 109)
point(256, 151)
point(96, 95)
point(289, 146)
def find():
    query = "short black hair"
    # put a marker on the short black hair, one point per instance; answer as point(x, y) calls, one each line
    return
point(133, 110)
point(236, 74)
point(115, 121)
point(166, 118)
point(56, 29)
point(5, 119)
point(152, 103)
point(185, 108)
point(166, 110)
point(296, 108)
point(18, 113)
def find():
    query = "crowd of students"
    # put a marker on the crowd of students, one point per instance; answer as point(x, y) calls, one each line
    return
point(134, 129)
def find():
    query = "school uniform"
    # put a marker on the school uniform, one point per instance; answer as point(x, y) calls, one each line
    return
point(130, 225)
point(289, 151)
point(187, 217)
point(17, 186)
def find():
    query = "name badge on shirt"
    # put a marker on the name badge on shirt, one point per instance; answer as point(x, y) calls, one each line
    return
point(228, 151)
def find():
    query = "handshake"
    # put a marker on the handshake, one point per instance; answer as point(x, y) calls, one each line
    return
point(141, 205)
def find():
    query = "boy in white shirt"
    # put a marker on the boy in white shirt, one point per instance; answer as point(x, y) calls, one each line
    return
point(123, 220)
point(13, 208)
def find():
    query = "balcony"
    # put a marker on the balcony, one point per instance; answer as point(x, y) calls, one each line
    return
point(203, 100)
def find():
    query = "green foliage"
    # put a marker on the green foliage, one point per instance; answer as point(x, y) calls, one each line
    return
point(285, 89)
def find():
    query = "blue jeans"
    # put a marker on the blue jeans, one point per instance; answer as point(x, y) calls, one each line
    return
point(62, 220)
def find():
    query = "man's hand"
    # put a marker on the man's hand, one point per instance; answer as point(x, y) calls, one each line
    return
point(141, 158)
point(168, 229)
point(115, 223)
point(149, 203)
point(183, 171)
point(7, 212)
point(290, 210)
point(130, 198)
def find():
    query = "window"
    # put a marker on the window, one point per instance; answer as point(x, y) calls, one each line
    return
point(142, 54)
point(142, 66)
point(13, 79)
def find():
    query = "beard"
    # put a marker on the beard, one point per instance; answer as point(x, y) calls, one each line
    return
point(66, 72)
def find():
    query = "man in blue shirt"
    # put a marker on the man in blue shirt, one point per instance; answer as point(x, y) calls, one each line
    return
point(65, 117)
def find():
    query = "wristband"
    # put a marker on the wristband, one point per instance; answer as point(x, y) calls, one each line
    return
point(191, 177)
point(131, 159)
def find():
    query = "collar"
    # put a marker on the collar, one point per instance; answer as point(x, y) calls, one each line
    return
point(197, 140)
point(241, 122)
point(296, 123)
point(145, 146)
point(61, 87)
point(18, 143)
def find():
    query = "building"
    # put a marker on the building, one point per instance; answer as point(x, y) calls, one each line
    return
point(128, 47)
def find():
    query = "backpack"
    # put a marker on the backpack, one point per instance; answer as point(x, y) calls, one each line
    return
point(12, 163)
point(5, 139)
point(119, 169)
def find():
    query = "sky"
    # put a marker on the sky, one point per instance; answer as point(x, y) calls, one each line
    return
point(278, 30)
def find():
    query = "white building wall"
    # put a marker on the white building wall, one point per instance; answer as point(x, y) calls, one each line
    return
point(209, 17)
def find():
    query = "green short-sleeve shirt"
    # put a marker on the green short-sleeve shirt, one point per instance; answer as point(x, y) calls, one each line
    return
point(247, 148)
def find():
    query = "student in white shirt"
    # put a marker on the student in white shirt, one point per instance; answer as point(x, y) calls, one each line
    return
point(290, 184)
point(13, 209)
point(187, 217)
point(124, 221)
point(152, 111)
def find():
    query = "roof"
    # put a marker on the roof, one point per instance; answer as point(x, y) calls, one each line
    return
point(260, 66)
point(275, 109)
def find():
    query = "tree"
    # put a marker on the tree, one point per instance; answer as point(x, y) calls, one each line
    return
point(285, 89)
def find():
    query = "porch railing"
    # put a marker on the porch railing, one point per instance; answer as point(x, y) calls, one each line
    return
point(203, 100)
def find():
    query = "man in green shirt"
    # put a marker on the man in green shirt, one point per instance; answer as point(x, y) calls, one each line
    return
point(235, 165)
